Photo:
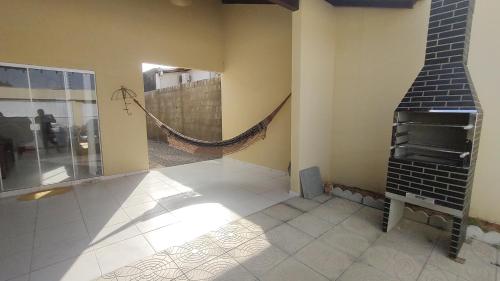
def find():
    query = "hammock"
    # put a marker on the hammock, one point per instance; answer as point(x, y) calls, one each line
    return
point(196, 146)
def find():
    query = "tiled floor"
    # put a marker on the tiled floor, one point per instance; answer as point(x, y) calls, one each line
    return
point(314, 240)
point(100, 227)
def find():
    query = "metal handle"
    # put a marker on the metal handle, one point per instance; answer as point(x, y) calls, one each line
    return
point(465, 154)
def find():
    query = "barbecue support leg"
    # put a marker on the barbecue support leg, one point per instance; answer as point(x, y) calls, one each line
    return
point(393, 212)
point(458, 233)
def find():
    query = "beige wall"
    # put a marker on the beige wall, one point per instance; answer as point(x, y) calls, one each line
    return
point(113, 38)
point(312, 72)
point(351, 66)
point(484, 63)
point(256, 78)
point(377, 54)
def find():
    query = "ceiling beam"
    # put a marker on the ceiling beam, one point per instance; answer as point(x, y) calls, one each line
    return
point(292, 5)
point(374, 3)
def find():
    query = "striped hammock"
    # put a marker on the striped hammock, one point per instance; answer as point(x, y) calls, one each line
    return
point(196, 146)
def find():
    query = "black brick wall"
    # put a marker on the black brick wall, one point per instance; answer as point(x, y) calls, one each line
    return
point(444, 81)
point(447, 185)
point(458, 234)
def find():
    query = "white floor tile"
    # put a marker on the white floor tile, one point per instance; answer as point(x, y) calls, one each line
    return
point(144, 209)
point(174, 235)
point(110, 217)
point(135, 199)
point(360, 271)
point(278, 195)
point(17, 244)
point(292, 270)
point(346, 241)
point(99, 209)
point(17, 225)
point(65, 232)
point(96, 223)
point(15, 265)
point(324, 259)
point(112, 234)
point(22, 278)
point(288, 239)
point(154, 221)
point(52, 219)
point(81, 268)
point(58, 204)
point(205, 214)
point(59, 251)
point(122, 253)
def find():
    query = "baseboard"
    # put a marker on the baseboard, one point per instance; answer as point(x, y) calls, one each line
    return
point(438, 220)
point(23, 191)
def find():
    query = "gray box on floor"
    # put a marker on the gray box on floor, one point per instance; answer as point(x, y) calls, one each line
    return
point(311, 183)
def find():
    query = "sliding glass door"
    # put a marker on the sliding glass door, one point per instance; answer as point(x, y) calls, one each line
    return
point(85, 118)
point(49, 128)
point(18, 149)
point(52, 122)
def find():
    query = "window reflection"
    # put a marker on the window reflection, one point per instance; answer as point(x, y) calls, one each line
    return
point(86, 142)
point(18, 155)
point(53, 123)
point(49, 128)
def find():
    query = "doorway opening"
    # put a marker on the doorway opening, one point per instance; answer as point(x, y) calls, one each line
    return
point(189, 101)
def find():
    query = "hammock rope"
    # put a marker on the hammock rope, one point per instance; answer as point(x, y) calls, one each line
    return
point(196, 146)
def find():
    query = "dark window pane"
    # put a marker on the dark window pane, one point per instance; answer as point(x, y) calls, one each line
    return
point(46, 79)
point(80, 81)
point(13, 77)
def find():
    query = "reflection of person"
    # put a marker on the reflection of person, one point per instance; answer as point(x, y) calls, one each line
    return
point(45, 121)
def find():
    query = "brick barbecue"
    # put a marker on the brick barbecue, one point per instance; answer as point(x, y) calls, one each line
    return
point(437, 125)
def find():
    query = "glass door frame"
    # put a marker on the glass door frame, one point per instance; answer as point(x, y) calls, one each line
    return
point(67, 90)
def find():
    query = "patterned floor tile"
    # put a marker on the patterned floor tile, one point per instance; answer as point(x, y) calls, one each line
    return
point(292, 270)
point(282, 212)
point(324, 259)
point(192, 254)
point(232, 235)
point(257, 247)
point(310, 224)
point(363, 272)
point(222, 268)
point(393, 262)
point(287, 238)
point(259, 222)
point(473, 269)
point(302, 203)
point(157, 267)
point(258, 255)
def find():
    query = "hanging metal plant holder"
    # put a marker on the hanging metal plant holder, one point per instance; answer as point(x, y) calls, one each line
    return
point(124, 94)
